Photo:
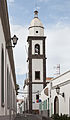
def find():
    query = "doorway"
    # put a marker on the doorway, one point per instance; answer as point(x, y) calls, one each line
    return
point(56, 105)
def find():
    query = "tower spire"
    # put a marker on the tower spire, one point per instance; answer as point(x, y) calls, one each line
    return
point(35, 14)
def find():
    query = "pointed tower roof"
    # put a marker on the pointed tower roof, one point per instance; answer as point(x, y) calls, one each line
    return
point(36, 21)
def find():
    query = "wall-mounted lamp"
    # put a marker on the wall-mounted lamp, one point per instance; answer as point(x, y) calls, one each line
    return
point(58, 91)
point(14, 40)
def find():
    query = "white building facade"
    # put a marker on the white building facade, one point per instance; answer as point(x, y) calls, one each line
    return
point(58, 94)
point(60, 103)
point(7, 69)
point(44, 106)
point(26, 96)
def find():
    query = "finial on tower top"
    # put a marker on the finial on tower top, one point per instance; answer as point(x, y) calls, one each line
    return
point(35, 14)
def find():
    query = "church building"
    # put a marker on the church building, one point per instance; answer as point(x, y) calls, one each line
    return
point(36, 62)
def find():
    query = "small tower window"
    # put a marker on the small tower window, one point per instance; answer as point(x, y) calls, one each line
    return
point(37, 97)
point(37, 75)
point(37, 49)
point(36, 31)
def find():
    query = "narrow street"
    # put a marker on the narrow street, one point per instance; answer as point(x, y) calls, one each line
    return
point(31, 117)
point(34, 60)
point(28, 117)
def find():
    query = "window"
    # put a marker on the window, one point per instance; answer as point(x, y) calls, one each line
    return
point(2, 78)
point(36, 31)
point(37, 49)
point(48, 103)
point(37, 97)
point(37, 75)
point(7, 88)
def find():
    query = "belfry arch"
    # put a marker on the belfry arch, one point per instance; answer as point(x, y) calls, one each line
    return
point(37, 49)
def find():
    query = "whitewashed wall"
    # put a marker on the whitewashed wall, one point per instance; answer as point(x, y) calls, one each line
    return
point(25, 96)
point(2, 43)
point(32, 31)
point(4, 110)
point(37, 65)
point(43, 96)
point(64, 103)
point(35, 89)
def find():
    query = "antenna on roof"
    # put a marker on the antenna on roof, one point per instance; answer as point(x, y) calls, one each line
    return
point(57, 67)
point(36, 10)
point(36, 5)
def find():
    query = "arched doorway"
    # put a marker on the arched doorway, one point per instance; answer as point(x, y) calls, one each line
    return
point(56, 105)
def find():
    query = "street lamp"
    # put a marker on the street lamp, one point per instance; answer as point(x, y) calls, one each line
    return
point(14, 40)
point(58, 91)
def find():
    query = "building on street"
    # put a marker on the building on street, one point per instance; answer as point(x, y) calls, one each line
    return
point(44, 105)
point(20, 106)
point(58, 94)
point(26, 97)
point(36, 63)
point(7, 68)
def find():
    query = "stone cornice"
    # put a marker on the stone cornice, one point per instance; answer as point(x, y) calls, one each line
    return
point(36, 38)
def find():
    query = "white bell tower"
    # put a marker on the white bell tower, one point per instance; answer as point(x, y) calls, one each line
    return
point(37, 61)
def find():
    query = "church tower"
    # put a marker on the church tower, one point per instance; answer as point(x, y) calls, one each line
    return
point(36, 62)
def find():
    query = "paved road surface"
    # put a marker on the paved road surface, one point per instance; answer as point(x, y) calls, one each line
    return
point(30, 117)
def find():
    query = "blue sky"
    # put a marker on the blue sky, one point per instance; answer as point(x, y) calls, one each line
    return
point(55, 15)
point(50, 11)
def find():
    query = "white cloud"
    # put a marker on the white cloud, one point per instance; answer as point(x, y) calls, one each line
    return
point(58, 47)
point(20, 54)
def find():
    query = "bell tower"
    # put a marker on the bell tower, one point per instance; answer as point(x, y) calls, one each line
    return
point(36, 61)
